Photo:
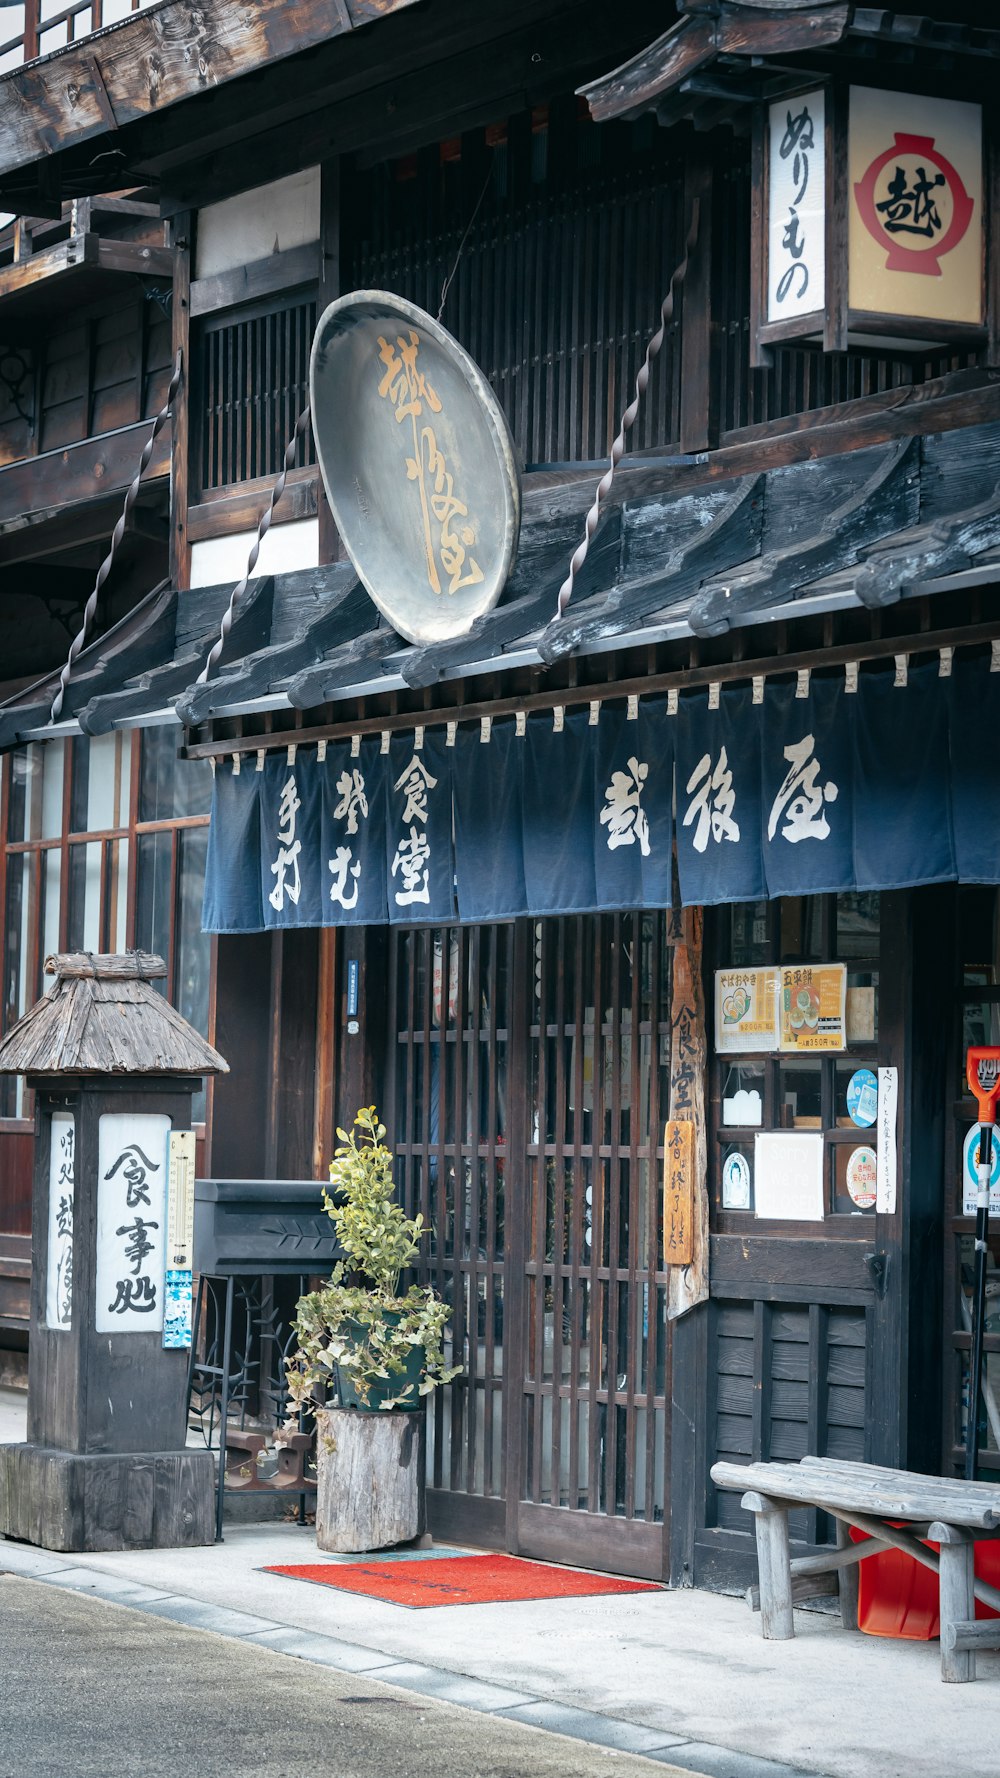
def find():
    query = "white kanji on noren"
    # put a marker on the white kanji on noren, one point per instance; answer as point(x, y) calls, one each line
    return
point(286, 866)
point(346, 875)
point(712, 802)
point(622, 813)
point(801, 801)
point(415, 782)
point(411, 861)
point(351, 791)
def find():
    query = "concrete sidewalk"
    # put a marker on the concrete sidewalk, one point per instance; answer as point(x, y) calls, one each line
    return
point(681, 1677)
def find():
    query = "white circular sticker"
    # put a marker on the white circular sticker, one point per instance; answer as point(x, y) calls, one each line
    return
point(862, 1168)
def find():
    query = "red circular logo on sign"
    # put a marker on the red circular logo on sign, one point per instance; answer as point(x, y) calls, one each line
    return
point(913, 203)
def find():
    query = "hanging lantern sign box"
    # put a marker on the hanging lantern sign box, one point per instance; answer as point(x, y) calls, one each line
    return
point(868, 221)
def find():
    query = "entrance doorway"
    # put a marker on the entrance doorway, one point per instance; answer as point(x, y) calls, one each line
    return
point(528, 1074)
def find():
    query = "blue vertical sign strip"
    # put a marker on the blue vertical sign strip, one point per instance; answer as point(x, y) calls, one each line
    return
point(489, 791)
point(420, 869)
point(632, 808)
point(807, 789)
point(718, 799)
point(558, 815)
point(902, 806)
point(352, 841)
point(232, 901)
point(974, 696)
point(291, 881)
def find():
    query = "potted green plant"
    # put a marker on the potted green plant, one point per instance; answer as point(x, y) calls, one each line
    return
point(377, 1347)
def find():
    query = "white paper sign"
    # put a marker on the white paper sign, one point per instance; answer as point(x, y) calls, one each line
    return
point(131, 1222)
point(796, 231)
point(885, 1141)
point(788, 1176)
point(62, 1182)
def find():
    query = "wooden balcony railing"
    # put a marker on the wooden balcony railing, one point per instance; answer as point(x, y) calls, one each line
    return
point(37, 27)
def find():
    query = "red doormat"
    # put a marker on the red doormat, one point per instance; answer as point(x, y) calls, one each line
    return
point(460, 1580)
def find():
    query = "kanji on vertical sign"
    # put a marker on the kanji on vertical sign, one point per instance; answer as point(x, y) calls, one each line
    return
point(678, 1192)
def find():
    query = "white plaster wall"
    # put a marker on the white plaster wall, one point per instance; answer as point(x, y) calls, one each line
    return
point(218, 559)
point(254, 224)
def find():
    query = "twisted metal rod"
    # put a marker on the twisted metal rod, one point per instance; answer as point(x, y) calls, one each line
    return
point(301, 426)
point(629, 416)
point(90, 609)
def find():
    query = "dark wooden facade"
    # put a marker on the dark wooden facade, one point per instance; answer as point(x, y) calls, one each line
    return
point(524, 1068)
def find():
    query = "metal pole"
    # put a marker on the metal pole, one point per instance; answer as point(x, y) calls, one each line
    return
point(227, 1352)
point(984, 1168)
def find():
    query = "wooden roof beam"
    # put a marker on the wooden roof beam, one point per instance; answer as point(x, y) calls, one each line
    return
point(750, 32)
point(154, 59)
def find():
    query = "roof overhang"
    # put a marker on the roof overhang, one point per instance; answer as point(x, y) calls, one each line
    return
point(724, 55)
point(148, 62)
point(701, 549)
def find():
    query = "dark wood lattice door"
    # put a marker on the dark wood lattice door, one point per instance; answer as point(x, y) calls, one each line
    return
point(530, 1067)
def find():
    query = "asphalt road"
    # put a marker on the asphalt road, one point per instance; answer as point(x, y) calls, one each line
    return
point(89, 1688)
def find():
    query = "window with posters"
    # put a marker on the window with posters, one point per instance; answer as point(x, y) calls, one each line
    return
point(795, 1040)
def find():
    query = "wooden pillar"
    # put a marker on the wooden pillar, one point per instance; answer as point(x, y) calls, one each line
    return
point(181, 229)
point(774, 1565)
point(688, 1061)
point(362, 1008)
point(958, 1599)
point(699, 409)
point(324, 1108)
point(847, 1579)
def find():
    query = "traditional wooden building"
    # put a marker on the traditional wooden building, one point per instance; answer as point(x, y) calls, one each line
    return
point(791, 947)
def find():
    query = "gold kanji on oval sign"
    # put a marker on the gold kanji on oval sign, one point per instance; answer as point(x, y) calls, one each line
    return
point(678, 1192)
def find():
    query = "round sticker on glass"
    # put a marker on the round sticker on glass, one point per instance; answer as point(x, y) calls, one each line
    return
point(736, 1182)
point(862, 1098)
point(971, 1174)
point(862, 1168)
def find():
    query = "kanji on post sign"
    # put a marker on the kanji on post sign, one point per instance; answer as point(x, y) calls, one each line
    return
point(678, 1192)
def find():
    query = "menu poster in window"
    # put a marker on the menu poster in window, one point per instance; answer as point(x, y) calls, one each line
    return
point(788, 1176)
point(745, 1011)
point(812, 1007)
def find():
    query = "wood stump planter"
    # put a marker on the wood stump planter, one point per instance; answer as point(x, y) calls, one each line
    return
point(370, 1485)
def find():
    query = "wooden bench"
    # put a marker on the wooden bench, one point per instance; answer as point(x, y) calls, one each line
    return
point(952, 1513)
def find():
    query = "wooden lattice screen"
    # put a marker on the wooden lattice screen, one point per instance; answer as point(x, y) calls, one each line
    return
point(254, 383)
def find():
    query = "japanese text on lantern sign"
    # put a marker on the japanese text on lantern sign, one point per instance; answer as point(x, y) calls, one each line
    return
point(447, 546)
point(796, 208)
point(678, 1193)
point(411, 861)
point(911, 209)
point(351, 808)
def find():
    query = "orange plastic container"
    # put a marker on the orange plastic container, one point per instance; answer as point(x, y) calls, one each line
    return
point(898, 1596)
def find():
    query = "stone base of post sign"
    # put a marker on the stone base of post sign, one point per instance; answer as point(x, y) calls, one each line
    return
point(147, 1500)
point(371, 1489)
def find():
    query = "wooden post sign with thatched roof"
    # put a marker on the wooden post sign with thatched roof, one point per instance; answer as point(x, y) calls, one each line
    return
point(114, 1068)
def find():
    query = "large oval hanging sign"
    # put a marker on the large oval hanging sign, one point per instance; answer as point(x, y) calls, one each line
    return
point(418, 464)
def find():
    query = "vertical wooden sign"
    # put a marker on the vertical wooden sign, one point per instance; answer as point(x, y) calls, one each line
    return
point(678, 1193)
